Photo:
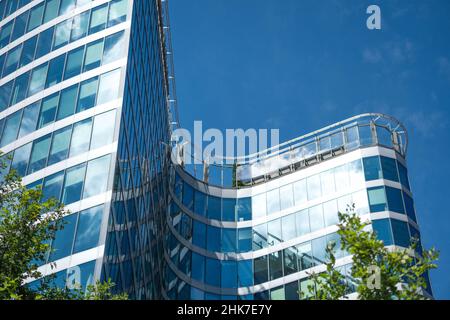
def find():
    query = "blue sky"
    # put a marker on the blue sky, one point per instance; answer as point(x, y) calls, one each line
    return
point(300, 65)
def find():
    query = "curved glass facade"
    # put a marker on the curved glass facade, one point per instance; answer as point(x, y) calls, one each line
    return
point(260, 239)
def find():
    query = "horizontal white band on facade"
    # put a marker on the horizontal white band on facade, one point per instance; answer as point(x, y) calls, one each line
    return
point(77, 117)
point(291, 177)
point(63, 85)
point(70, 162)
point(70, 262)
point(43, 27)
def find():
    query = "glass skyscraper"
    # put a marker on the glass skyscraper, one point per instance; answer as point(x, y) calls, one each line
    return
point(86, 107)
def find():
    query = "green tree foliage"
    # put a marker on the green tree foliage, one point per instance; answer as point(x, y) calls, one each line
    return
point(27, 227)
point(378, 273)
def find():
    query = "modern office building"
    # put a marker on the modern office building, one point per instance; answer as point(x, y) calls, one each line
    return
point(85, 93)
point(86, 107)
point(256, 228)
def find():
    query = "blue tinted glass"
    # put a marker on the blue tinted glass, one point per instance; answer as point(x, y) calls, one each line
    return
point(80, 25)
point(37, 79)
point(39, 154)
point(20, 160)
point(213, 238)
point(20, 88)
point(276, 265)
point(289, 227)
point(198, 267)
point(19, 26)
point(244, 209)
point(60, 145)
point(114, 47)
point(365, 135)
point(29, 47)
point(55, 71)
point(48, 110)
point(51, 10)
point(377, 199)
point(52, 186)
point(319, 250)
point(229, 240)
point(12, 60)
point(188, 196)
point(229, 274)
point(44, 44)
point(73, 184)
point(212, 272)
point(11, 128)
point(62, 34)
point(81, 137)
point(99, 17)
point(62, 245)
point(273, 201)
point(5, 34)
point(389, 169)
point(117, 12)
point(88, 229)
point(372, 168)
point(245, 273)
point(96, 180)
point(245, 239)
point(403, 175)
point(214, 207)
point(66, 6)
point(200, 203)
point(93, 56)
point(302, 221)
point(74, 63)
point(199, 234)
point(260, 237)
point(401, 233)
point(36, 16)
point(5, 95)
point(29, 119)
point(228, 209)
point(67, 102)
point(87, 95)
point(382, 228)
point(409, 206)
point(274, 232)
point(316, 218)
point(260, 270)
point(83, 272)
point(384, 136)
point(395, 201)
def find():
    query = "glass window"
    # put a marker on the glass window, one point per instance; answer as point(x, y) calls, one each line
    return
point(96, 176)
point(305, 292)
point(327, 181)
point(289, 227)
point(276, 265)
point(5, 95)
point(188, 196)
point(88, 229)
point(199, 203)
point(60, 145)
point(395, 201)
point(300, 192)
point(55, 71)
point(20, 160)
point(52, 186)
point(81, 137)
point(29, 47)
point(384, 136)
point(114, 47)
point(302, 221)
point(342, 178)
point(344, 203)
point(229, 274)
point(5, 34)
point(261, 270)
point(44, 45)
point(377, 199)
point(229, 209)
point(62, 245)
point(290, 261)
point(259, 206)
point(67, 102)
point(245, 239)
point(93, 57)
point(29, 119)
point(331, 213)
point(39, 154)
point(103, 129)
point(117, 12)
point(98, 18)
point(214, 208)
point(286, 197)
point(260, 237)
point(401, 233)
point(37, 80)
point(19, 26)
point(274, 232)
point(74, 63)
point(20, 88)
point(305, 258)
point(36, 16)
point(365, 135)
point(389, 169)
point(80, 25)
point(314, 190)
point(245, 273)
point(12, 60)
point(319, 250)
point(11, 128)
point(403, 175)
point(359, 199)
point(356, 174)
point(62, 34)
point(316, 218)
point(382, 229)
point(372, 168)
point(198, 267)
point(51, 10)
point(212, 275)
point(409, 206)
point(199, 234)
point(88, 91)
point(66, 6)
point(213, 238)
point(273, 201)
point(109, 86)
point(277, 293)
point(292, 291)
point(244, 209)
point(48, 111)
point(73, 184)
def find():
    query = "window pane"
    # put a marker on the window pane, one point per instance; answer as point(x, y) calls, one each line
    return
point(199, 203)
point(60, 145)
point(319, 250)
point(37, 81)
point(290, 261)
point(88, 229)
point(245, 239)
point(276, 265)
point(382, 229)
point(188, 196)
point(11, 128)
point(48, 111)
point(39, 154)
point(314, 190)
point(292, 291)
point(401, 233)
point(109, 86)
point(274, 232)
point(305, 257)
point(5, 95)
point(117, 12)
point(98, 18)
point(372, 168)
point(29, 47)
point(377, 199)
point(103, 130)
point(73, 184)
point(228, 209)
point(403, 175)
point(331, 213)
point(29, 120)
point(64, 238)
point(74, 63)
point(44, 45)
point(5, 34)
point(259, 206)
point(214, 208)
point(245, 273)
point(260, 237)
point(327, 182)
point(244, 209)
point(114, 47)
point(20, 88)
point(409, 206)
point(19, 26)
point(62, 34)
point(93, 57)
point(96, 177)
point(356, 174)
point(273, 201)
point(229, 274)
point(395, 201)
point(302, 220)
point(384, 136)
point(12, 60)
point(20, 160)
point(229, 240)
point(198, 267)
point(67, 102)
point(88, 91)
point(199, 234)
point(300, 192)
point(51, 10)
point(365, 135)
point(81, 137)
point(212, 272)
point(289, 227)
point(286, 197)
point(35, 17)
point(55, 71)
point(261, 270)
point(316, 218)
point(213, 238)
point(52, 186)
point(342, 178)
point(79, 26)
point(389, 169)
point(66, 6)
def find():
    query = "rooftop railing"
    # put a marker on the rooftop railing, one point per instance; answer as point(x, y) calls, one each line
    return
point(361, 131)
